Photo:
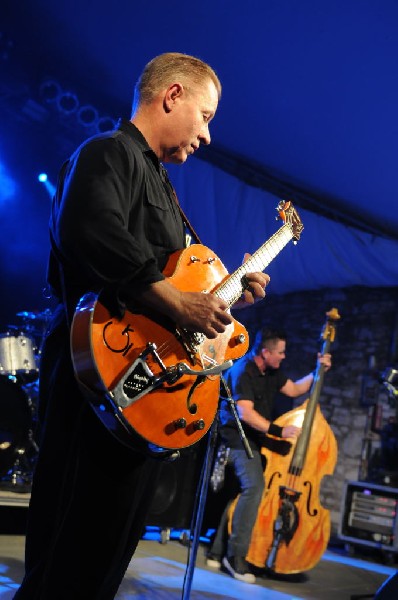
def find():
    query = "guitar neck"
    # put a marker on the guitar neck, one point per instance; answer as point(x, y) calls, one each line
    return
point(232, 288)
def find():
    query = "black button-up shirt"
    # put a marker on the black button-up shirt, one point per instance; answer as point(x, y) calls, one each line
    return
point(114, 219)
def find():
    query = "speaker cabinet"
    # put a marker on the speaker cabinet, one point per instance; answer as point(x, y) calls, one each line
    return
point(178, 483)
point(369, 515)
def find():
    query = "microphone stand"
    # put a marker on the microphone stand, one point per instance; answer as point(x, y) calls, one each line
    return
point(234, 411)
point(198, 512)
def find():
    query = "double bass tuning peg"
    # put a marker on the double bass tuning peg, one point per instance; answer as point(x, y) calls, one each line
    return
point(329, 330)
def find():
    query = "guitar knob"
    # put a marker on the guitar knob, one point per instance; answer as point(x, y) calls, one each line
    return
point(180, 423)
point(199, 425)
point(240, 339)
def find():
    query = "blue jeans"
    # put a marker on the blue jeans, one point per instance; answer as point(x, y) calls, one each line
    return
point(251, 479)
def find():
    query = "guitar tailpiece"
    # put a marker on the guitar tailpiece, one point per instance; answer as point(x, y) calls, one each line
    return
point(139, 380)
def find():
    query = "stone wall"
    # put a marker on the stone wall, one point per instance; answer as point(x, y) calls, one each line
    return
point(365, 345)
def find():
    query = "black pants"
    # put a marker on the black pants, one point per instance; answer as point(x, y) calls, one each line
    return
point(90, 494)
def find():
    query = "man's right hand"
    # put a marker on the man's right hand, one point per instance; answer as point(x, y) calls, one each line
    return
point(195, 311)
point(291, 431)
point(204, 313)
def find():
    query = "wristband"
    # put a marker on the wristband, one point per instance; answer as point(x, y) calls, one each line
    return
point(275, 430)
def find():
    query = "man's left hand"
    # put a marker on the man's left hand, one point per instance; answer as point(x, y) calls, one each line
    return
point(325, 360)
point(256, 284)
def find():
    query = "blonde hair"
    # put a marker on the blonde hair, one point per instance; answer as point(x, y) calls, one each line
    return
point(166, 68)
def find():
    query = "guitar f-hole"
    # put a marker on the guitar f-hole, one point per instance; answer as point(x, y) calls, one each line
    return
point(125, 332)
point(193, 408)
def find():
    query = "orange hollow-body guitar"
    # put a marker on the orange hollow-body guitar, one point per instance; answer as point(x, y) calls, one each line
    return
point(149, 378)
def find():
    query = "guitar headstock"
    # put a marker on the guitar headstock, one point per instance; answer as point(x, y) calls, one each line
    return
point(289, 215)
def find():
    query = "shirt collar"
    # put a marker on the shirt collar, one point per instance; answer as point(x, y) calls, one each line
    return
point(132, 131)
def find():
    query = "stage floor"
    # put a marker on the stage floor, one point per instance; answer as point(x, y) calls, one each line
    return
point(158, 568)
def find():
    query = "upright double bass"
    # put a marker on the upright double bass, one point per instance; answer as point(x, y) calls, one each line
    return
point(292, 529)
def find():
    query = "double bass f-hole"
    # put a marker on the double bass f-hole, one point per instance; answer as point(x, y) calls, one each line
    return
point(309, 512)
point(276, 474)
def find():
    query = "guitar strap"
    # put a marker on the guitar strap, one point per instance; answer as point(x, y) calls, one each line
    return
point(187, 223)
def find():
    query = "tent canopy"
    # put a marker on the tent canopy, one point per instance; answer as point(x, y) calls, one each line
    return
point(308, 113)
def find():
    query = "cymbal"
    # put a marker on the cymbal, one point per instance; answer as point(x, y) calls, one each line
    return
point(26, 315)
point(44, 315)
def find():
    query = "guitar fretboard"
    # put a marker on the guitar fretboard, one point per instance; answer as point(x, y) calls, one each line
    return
point(232, 288)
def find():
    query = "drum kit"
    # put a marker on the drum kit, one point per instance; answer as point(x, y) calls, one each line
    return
point(20, 351)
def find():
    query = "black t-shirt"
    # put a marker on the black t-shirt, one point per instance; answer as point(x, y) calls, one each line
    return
point(246, 382)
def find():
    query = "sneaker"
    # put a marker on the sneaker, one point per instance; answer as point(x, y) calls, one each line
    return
point(238, 568)
point(213, 561)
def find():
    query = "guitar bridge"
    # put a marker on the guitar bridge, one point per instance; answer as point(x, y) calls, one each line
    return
point(191, 340)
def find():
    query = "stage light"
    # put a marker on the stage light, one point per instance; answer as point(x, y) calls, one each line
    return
point(67, 103)
point(50, 90)
point(8, 186)
point(50, 187)
point(105, 124)
point(87, 116)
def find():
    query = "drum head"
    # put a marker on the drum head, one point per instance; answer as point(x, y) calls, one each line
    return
point(15, 422)
point(17, 357)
